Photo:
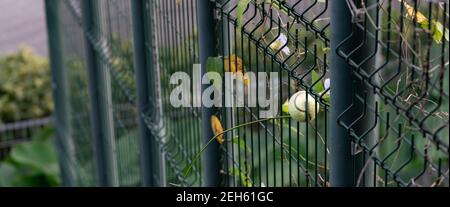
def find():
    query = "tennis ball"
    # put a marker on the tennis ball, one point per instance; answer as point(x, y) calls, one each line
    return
point(298, 105)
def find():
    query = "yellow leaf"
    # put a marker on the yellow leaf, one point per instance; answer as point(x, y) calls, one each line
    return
point(236, 64)
point(243, 77)
point(216, 127)
point(438, 30)
point(237, 68)
point(420, 18)
point(246, 79)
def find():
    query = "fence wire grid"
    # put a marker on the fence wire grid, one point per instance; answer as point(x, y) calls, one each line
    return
point(375, 74)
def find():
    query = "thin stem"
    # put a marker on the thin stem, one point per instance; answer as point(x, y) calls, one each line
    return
point(197, 156)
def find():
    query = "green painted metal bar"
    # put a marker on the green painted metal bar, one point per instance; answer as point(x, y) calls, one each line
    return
point(100, 99)
point(207, 46)
point(61, 96)
point(147, 75)
point(345, 168)
point(341, 169)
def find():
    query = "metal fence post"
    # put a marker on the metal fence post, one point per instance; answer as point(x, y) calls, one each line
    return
point(207, 44)
point(343, 171)
point(100, 100)
point(146, 68)
point(60, 95)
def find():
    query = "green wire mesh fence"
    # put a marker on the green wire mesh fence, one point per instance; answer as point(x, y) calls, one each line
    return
point(372, 76)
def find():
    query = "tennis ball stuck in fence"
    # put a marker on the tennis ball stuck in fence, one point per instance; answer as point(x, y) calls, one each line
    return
point(302, 107)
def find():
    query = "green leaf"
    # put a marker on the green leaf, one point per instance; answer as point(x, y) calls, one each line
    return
point(32, 163)
point(319, 88)
point(38, 155)
point(285, 107)
point(327, 97)
point(439, 32)
point(244, 177)
point(44, 135)
point(240, 12)
point(8, 173)
point(241, 143)
point(214, 64)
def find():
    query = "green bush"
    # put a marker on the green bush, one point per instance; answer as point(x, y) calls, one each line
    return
point(25, 87)
point(32, 163)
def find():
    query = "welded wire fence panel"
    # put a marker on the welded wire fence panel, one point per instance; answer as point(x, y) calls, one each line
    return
point(118, 44)
point(81, 158)
point(276, 108)
point(289, 38)
point(177, 51)
point(410, 82)
point(114, 55)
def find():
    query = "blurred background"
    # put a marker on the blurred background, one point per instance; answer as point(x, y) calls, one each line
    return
point(27, 154)
point(14, 33)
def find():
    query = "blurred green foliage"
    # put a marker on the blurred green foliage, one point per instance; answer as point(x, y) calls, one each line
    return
point(32, 163)
point(25, 89)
